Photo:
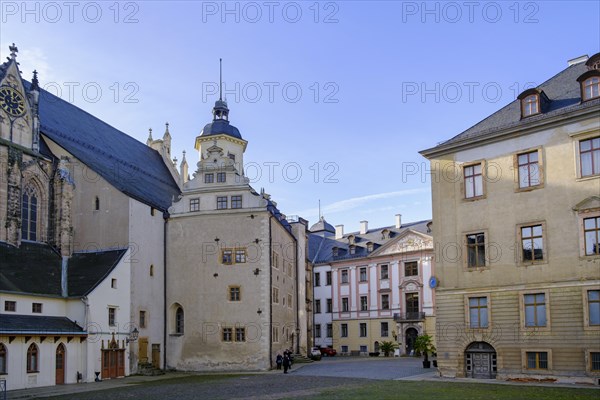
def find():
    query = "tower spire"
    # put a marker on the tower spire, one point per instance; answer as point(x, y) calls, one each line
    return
point(220, 79)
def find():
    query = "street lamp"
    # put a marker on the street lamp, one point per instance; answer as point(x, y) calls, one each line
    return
point(133, 336)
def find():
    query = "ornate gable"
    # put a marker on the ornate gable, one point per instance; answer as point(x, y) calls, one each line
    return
point(409, 241)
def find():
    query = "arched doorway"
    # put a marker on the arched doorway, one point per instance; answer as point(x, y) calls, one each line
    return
point(376, 346)
point(411, 336)
point(60, 364)
point(480, 361)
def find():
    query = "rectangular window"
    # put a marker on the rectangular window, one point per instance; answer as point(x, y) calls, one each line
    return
point(36, 308)
point(593, 297)
point(329, 306)
point(532, 243)
point(227, 256)
point(317, 330)
point(221, 177)
point(329, 330)
point(363, 274)
point(364, 306)
point(142, 319)
point(235, 293)
point(537, 360)
point(591, 234)
point(290, 305)
point(363, 349)
point(344, 330)
point(113, 283)
point(227, 334)
point(328, 277)
point(345, 349)
point(240, 334)
point(412, 304)
point(276, 295)
point(275, 259)
point(589, 154)
point(344, 276)
point(221, 202)
point(411, 268)
point(345, 304)
point(236, 201)
point(529, 170)
point(384, 329)
point(385, 301)
point(112, 316)
point(10, 306)
point(473, 181)
point(476, 250)
point(363, 329)
point(240, 256)
point(317, 279)
point(478, 312)
point(384, 272)
point(209, 178)
point(317, 306)
point(535, 309)
point(595, 361)
point(195, 204)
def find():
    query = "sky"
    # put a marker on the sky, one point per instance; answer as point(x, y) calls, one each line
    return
point(336, 98)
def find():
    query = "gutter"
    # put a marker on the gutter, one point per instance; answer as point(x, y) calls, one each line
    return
point(270, 293)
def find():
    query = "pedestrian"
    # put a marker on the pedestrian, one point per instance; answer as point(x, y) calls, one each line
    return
point(279, 360)
point(286, 363)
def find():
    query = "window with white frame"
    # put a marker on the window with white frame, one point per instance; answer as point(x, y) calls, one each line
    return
point(473, 181)
point(478, 312)
point(589, 156)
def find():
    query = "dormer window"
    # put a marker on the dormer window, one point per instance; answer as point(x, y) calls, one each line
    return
point(369, 246)
point(385, 234)
point(335, 251)
point(352, 249)
point(351, 239)
point(590, 85)
point(533, 102)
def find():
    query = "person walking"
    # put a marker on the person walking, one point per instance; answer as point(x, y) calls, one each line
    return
point(279, 360)
point(286, 363)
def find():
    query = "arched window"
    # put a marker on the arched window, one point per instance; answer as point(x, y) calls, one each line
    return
point(530, 105)
point(32, 358)
point(96, 203)
point(179, 321)
point(29, 213)
point(151, 269)
point(3, 359)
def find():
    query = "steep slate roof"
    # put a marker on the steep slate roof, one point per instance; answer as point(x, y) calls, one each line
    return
point(130, 166)
point(564, 93)
point(320, 249)
point(22, 324)
point(35, 268)
point(87, 270)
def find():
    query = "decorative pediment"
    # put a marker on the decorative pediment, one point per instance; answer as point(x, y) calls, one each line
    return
point(409, 241)
point(591, 202)
point(411, 285)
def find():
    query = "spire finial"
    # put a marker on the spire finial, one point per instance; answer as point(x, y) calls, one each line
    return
point(167, 127)
point(220, 79)
point(320, 216)
point(150, 134)
point(34, 82)
point(183, 159)
point(13, 51)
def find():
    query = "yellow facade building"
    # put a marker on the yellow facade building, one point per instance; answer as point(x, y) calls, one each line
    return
point(516, 205)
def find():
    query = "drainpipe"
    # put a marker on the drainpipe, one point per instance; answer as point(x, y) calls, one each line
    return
point(270, 293)
point(166, 219)
point(297, 296)
point(63, 277)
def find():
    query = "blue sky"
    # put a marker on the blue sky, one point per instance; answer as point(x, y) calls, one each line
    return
point(335, 98)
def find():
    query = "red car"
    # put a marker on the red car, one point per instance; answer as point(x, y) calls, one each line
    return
point(328, 351)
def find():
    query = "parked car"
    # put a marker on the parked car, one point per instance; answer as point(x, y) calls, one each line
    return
point(328, 351)
point(314, 352)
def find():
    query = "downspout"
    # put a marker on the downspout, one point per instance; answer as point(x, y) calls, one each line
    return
point(166, 219)
point(297, 297)
point(270, 294)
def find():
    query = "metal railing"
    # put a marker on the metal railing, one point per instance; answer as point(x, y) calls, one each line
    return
point(409, 316)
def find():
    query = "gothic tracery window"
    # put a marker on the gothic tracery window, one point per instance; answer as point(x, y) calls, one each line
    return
point(29, 213)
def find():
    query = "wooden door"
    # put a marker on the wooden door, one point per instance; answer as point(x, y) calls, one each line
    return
point(143, 350)
point(60, 364)
point(482, 365)
point(156, 356)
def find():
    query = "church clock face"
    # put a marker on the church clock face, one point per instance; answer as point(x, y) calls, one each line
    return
point(12, 101)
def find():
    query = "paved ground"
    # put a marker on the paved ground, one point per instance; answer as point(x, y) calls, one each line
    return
point(368, 368)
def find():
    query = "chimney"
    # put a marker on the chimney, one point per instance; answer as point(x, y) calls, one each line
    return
point(339, 231)
point(398, 221)
point(364, 227)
